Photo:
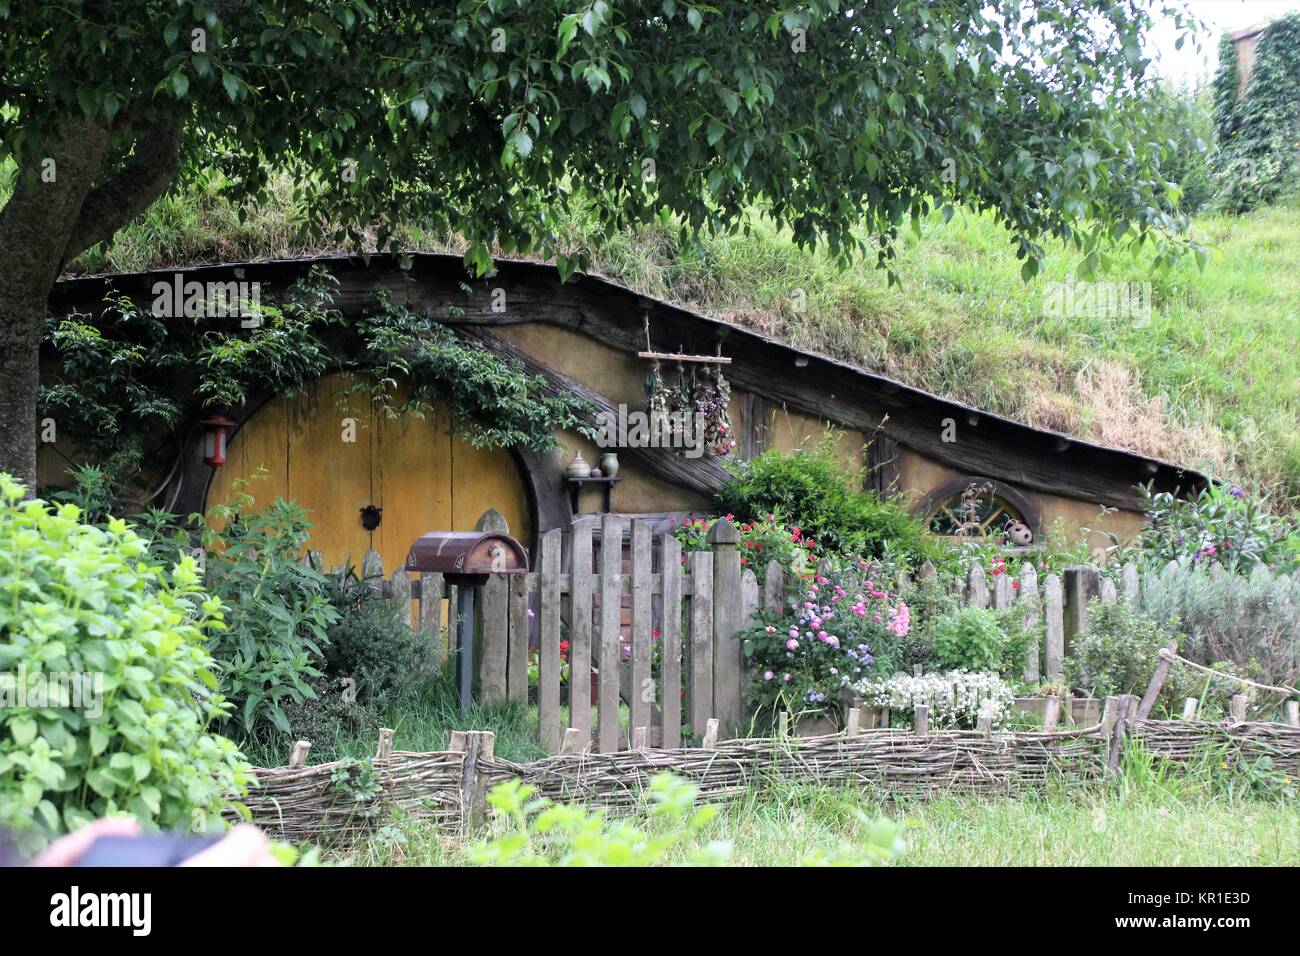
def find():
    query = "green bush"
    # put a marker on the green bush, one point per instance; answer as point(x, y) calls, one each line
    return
point(1222, 525)
point(107, 688)
point(1119, 652)
point(1252, 621)
point(328, 715)
point(372, 642)
point(815, 491)
point(970, 639)
point(278, 609)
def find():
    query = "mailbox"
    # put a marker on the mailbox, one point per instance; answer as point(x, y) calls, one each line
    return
point(466, 559)
point(467, 556)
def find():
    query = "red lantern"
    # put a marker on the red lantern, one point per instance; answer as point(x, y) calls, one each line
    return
point(214, 441)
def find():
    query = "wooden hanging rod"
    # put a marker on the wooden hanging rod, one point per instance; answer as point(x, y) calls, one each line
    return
point(679, 357)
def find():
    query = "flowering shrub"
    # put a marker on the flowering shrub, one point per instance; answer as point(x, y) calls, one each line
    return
point(956, 698)
point(802, 657)
point(821, 493)
point(1222, 525)
point(761, 541)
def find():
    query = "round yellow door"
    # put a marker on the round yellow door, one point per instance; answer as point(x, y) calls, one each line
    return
point(323, 450)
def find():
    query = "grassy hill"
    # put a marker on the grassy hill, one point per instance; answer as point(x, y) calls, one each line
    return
point(1211, 381)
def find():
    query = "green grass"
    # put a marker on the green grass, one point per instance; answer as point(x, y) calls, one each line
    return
point(422, 721)
point(1139, 818)
point(1147, 815)
point(1212, 381)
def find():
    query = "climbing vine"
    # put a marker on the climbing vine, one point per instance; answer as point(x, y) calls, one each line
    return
point(1259, 131)
point(130, 384)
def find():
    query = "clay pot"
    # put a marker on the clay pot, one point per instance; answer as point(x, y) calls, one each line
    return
point(578, 467)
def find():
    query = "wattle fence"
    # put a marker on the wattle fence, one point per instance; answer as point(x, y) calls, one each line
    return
point(343, 801)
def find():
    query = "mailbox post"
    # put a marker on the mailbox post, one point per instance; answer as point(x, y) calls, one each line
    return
point(466, 559)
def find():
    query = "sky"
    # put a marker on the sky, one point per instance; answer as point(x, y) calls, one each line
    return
point(1189, 65)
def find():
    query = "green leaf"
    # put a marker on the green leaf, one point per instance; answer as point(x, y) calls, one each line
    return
point(23, 730)
point(420, 109)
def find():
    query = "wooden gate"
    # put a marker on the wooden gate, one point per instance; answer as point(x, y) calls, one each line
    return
point(677, 665)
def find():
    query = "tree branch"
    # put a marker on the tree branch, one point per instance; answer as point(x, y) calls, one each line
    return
point(147, 174)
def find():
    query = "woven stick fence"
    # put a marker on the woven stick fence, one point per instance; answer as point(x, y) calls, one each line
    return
point(1189, 740)
point(342, 801)
point(894, 759)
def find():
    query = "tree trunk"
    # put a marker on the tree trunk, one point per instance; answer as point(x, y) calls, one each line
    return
point(20, 338)
point(35, 226)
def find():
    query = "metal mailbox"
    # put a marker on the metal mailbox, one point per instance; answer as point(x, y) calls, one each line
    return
point(472, 555)
point(466, 559)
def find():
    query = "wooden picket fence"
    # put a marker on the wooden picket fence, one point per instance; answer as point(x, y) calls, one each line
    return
point(576, 595)
point(688, 612)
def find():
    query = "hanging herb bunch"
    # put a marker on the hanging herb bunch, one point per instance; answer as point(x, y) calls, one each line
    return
point(711, 400)
point(688, 396)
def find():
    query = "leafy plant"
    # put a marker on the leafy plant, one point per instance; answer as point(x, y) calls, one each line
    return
point(1119, 652)
point(372, 641)
point(1260, 779)
point(1252, 621)
point(823, 499)
point(538, 832)
point(1221, 525)
point(761, 541)
point(107, 690)
point(494, 402)
point(1258, 130)
point(970, 638)
point(277, 608)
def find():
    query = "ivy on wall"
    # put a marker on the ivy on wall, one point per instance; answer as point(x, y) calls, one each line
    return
point(1259, 131)
point(130, 385)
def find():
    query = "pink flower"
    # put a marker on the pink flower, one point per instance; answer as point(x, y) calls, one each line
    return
point(786, 678)
point(770, 629)
point(768, 675)
point(792, 645)
point(900, 620)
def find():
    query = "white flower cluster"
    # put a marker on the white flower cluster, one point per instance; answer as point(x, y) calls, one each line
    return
point(955, 698)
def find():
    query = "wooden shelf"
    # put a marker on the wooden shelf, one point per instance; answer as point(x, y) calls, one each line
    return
point(575, 487)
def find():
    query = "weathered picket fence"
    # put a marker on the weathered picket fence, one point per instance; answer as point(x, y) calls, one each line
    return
point(576, 597)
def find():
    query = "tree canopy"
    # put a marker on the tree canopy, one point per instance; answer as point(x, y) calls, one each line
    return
point(843, 122)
